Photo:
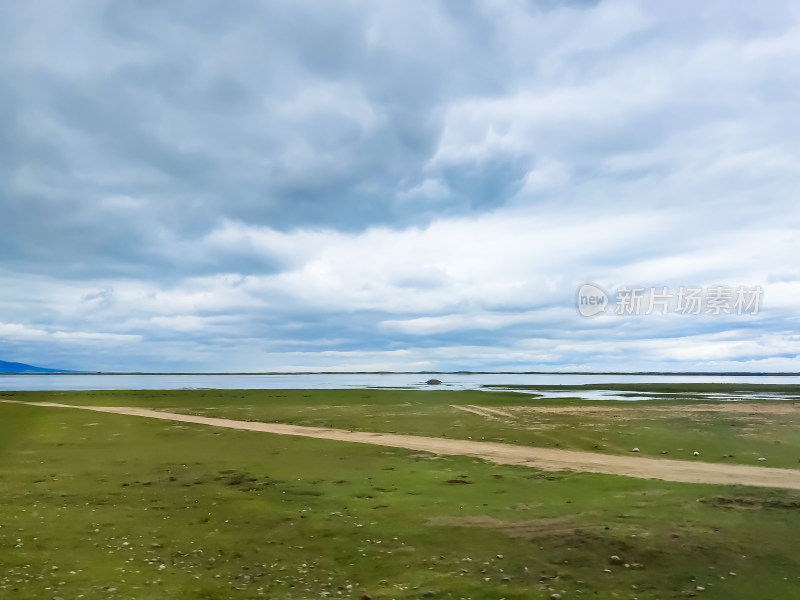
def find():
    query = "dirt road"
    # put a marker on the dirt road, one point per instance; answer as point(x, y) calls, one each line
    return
point(507, 454)
point(482, 411)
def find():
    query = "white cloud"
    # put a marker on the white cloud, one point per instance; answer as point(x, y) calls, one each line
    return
point(18, 331)
point(463, 322)
point(363, 185)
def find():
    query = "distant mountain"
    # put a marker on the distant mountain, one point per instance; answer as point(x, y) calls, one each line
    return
point(15, 367)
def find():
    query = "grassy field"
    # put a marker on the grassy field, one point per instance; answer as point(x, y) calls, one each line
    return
point(672, 428)
point(115, 507)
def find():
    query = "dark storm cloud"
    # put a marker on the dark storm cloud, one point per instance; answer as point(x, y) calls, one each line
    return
point(280, 114)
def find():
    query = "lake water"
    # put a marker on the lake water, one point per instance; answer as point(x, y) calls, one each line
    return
point(345, 381)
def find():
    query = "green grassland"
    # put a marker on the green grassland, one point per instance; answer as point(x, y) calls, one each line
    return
point(102, 506)
point(675, 427)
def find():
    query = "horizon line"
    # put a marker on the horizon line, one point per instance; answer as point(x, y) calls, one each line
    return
point(459, 372)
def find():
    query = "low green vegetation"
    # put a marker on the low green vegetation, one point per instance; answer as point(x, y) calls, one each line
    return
point(765, 433)
point(102, 506)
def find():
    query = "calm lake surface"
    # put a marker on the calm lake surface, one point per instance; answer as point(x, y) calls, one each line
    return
point(344, 381)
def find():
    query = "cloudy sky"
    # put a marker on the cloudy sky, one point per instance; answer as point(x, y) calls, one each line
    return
point(407, 185)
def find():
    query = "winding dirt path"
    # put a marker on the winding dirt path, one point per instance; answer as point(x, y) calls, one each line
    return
point(507, 454)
